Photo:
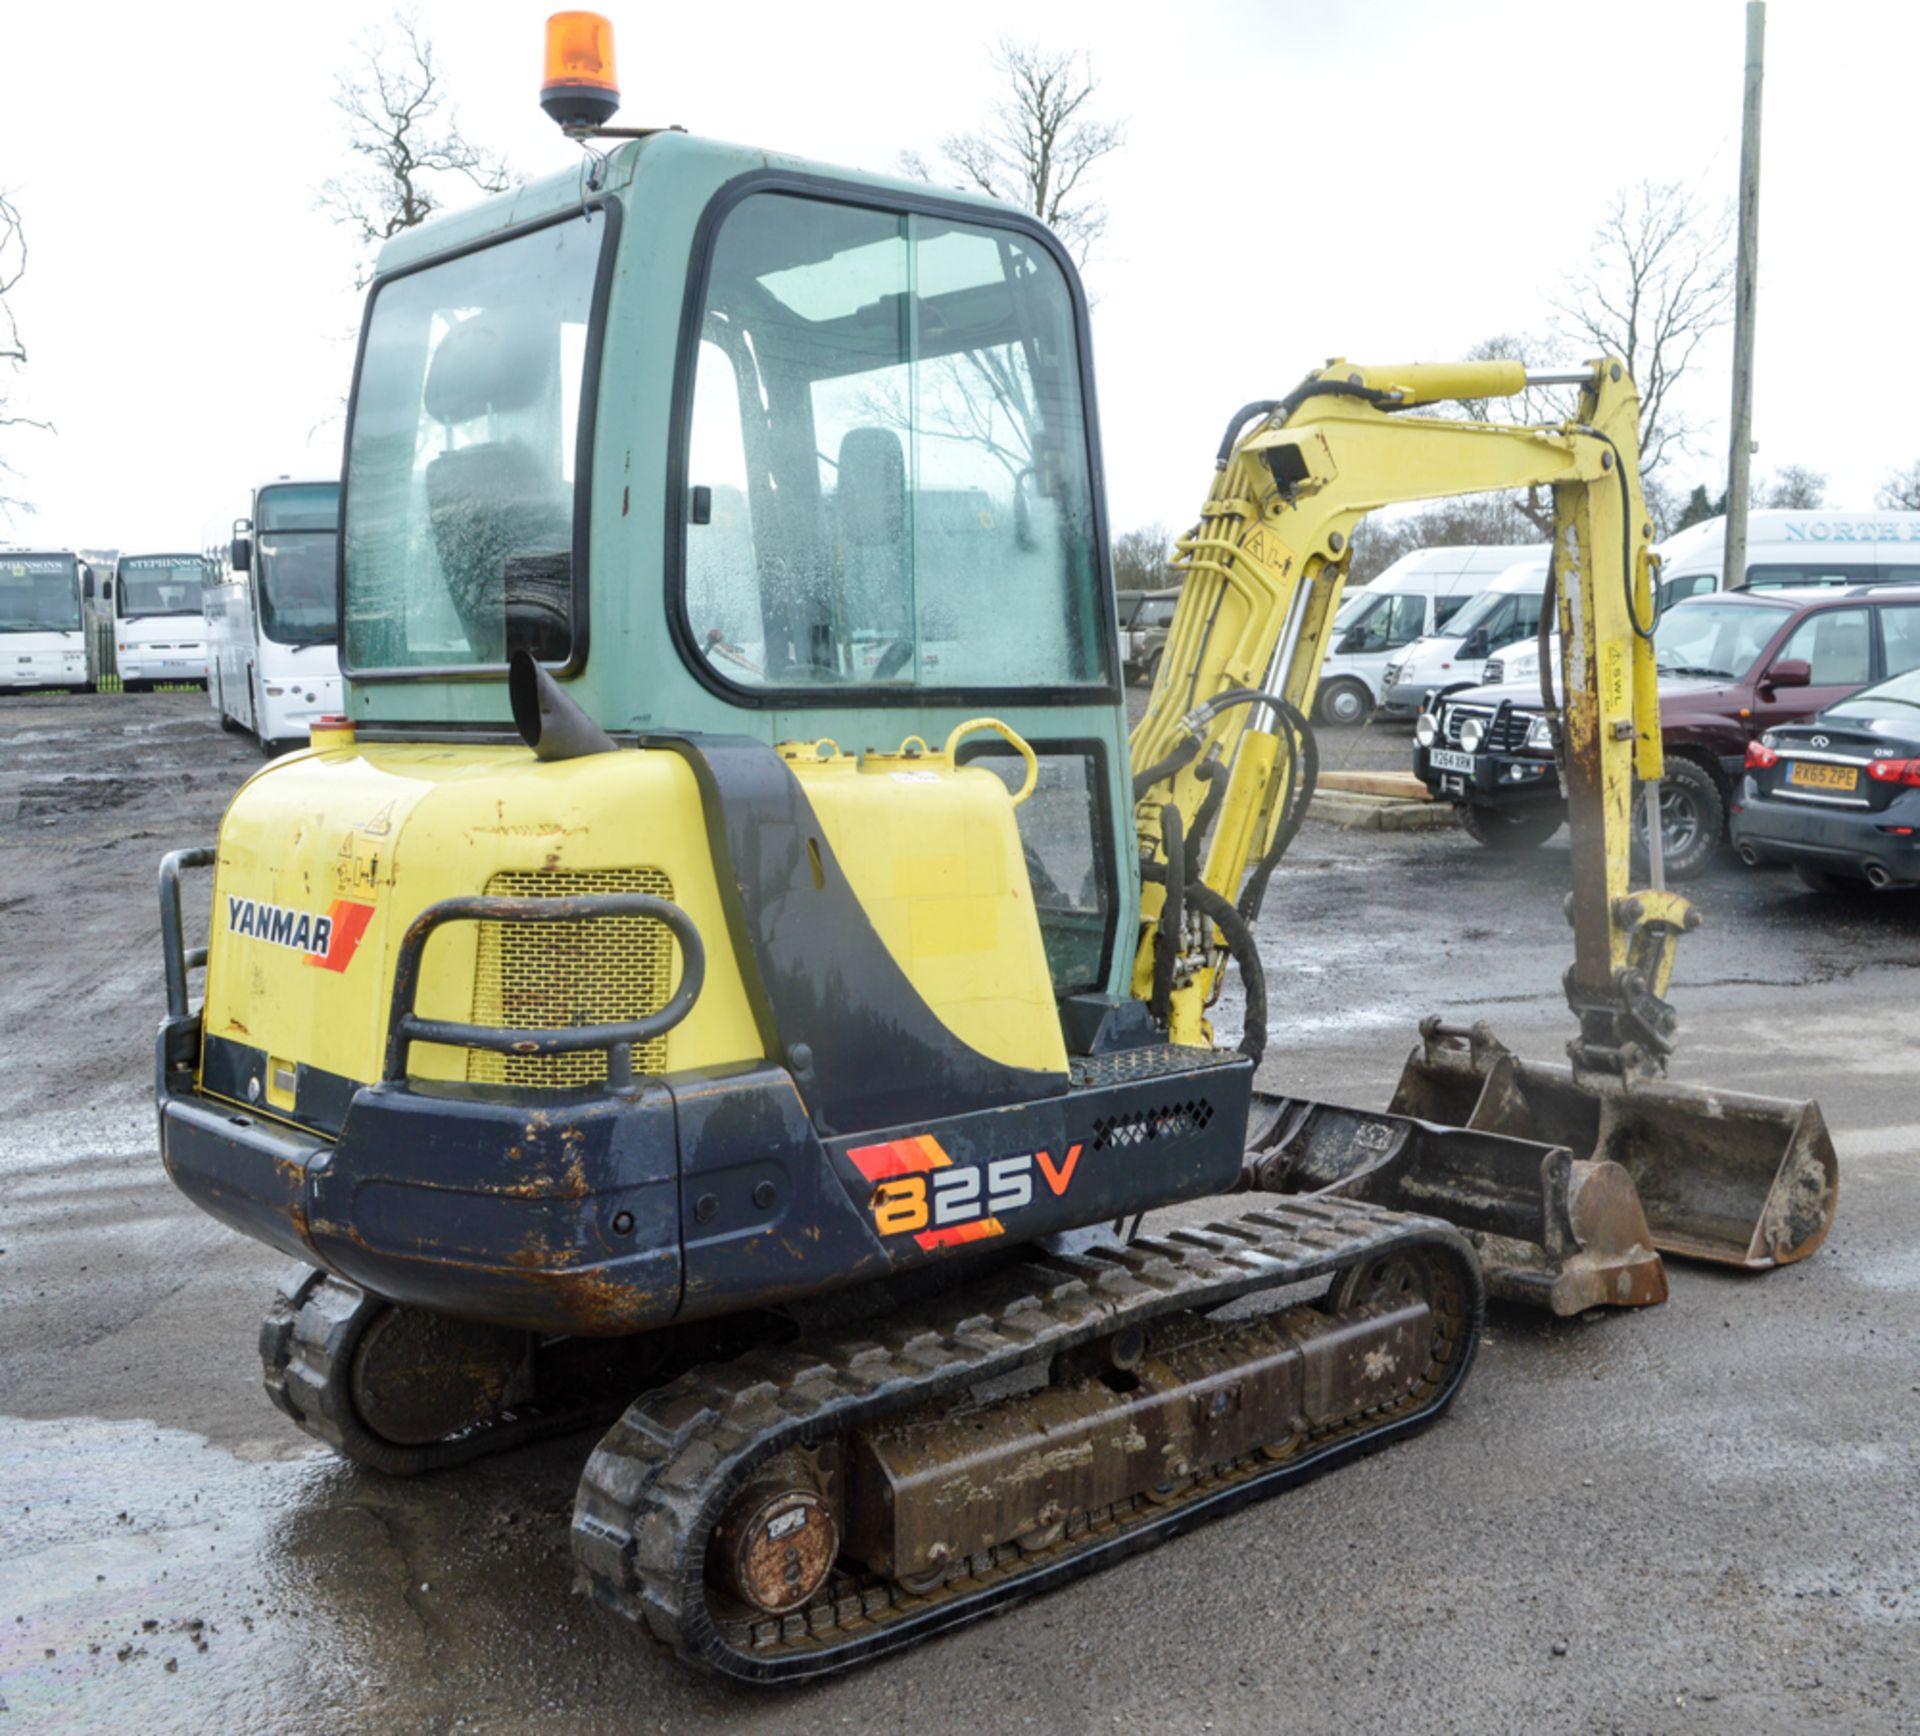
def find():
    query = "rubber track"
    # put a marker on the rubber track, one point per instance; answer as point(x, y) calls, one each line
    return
point(307, 1343)
point(663, 1476)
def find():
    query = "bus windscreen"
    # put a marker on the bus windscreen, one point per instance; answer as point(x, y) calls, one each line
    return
point(39, 593)
point(297, 538)
point(159, 585)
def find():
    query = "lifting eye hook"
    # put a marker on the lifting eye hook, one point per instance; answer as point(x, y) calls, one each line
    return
point(1011, 736)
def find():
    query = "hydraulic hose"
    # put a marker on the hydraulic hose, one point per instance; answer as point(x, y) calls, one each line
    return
point(1240, 948)
point(1211, 772)
point(1285, 407)
point(1254, 893)
point(1626, 536)
point(1195, 723)
point(1543, 641)
point(1166, 939)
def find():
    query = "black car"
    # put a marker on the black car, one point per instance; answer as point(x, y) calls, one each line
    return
point(1839, 796)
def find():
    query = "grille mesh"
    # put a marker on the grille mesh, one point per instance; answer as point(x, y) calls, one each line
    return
point(540, 976)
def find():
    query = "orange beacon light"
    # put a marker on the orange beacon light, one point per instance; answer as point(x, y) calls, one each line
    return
point(580, 89)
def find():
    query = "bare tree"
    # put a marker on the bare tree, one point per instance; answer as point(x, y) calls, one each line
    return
point(1039, 144)
point(1794, 486)
point(1660, 279)
point(1143, 559)
point(1900, 490)
point(1472, 521)
point(406, 140)
point(13, 347)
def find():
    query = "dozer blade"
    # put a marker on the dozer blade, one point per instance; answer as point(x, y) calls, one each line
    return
point(1721, 1175)
point(1551, 1232)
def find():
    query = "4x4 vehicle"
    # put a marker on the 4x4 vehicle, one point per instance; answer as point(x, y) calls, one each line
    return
point(1732, 665)
point(1145, 617)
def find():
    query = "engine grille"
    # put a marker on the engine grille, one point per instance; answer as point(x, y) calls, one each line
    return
point(1505, 733)
point(545, 975)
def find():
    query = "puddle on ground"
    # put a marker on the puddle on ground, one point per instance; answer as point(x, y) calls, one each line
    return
point(147, 1580)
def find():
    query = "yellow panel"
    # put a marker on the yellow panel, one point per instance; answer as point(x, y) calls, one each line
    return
point(933, 853)
point(362, 838)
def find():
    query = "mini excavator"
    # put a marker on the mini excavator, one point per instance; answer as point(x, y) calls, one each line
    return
point(730, 979)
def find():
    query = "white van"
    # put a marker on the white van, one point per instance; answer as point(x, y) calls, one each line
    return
point(1415, 596)
point(1506, 611)
point(1795, 548)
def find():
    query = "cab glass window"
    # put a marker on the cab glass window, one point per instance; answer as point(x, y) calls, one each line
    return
point(1063, 833)
point(1838, 643)
point(461, 469)
point(1900, 636)
point(887, 472)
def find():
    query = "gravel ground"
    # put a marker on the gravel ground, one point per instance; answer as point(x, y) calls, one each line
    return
point(1699, 1517)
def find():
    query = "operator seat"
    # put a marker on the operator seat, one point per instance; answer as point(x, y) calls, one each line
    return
point(501, 514)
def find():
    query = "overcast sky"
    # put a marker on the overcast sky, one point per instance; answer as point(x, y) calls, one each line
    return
point(1383, 181)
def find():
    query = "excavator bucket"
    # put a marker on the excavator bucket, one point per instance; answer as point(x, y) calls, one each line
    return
point(1551, 1231)
point(1720, 1175)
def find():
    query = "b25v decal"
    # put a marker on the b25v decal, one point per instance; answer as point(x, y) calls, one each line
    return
point(920, 1191)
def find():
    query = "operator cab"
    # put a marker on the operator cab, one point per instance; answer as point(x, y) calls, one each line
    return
point(872, 410)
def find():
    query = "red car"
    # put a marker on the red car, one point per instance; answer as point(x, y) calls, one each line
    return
point(1732, 664)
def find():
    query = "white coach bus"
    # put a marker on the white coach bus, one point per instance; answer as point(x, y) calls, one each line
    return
point(273, 663)
point(150, 624)
point(42, 640)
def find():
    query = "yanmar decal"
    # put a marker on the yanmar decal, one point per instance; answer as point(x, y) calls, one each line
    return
point(922, 1192)
point(328, 941)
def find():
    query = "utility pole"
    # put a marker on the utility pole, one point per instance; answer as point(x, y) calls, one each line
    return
point(1746, 285)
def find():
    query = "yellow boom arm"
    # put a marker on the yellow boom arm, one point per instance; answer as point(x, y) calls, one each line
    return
point(1265, 568)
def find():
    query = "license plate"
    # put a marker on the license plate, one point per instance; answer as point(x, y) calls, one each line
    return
point(1811, 774)
point(1446, 759)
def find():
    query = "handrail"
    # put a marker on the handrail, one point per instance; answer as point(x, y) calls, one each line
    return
point(179, 957)
point(405, 1027)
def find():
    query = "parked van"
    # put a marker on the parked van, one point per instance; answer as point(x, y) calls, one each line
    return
point(1795, 549)
point(1507, 611)
point(1500, 629)
point(1419, 594)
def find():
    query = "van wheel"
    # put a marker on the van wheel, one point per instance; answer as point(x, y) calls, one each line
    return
point(1509, 829)
point(1819, 880)
point(1153, 669)
point(1344, 702)
point(1692, 819)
